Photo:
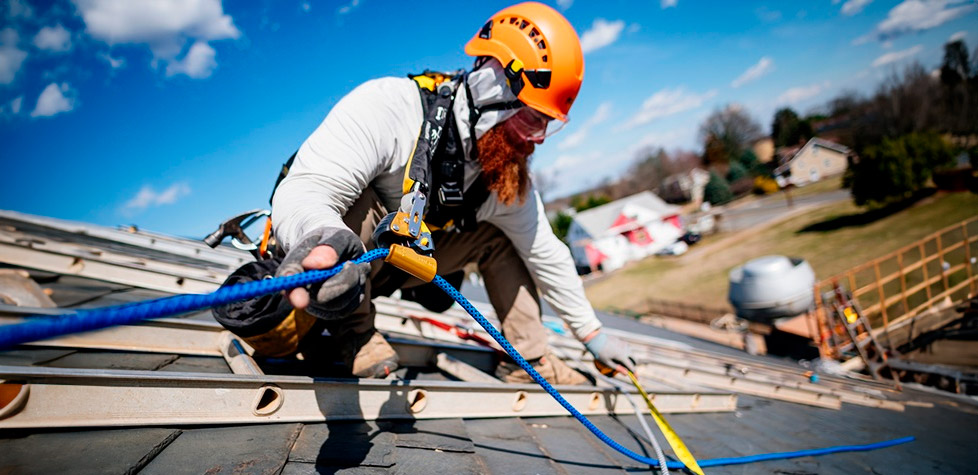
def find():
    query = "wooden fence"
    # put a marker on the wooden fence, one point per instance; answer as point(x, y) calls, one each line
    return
point(685, 311)
point(895, 288)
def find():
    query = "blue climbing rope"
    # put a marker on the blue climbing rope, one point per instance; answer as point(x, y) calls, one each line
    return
point(94, 319)
point(515, 355)
point(87, 320)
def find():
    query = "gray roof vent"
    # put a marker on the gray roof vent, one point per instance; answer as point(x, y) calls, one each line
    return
point(771, 287)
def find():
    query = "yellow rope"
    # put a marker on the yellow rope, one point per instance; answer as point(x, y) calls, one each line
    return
point(674, 441)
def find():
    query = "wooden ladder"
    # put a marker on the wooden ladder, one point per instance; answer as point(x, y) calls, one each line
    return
point(848, 314)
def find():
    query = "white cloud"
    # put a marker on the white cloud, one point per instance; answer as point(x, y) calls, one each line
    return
point(897, 56)
point(853, 7)
point(53, 38)
point(767, 15)
point(578, 136)
point(147, 196)
point(564, 162)
point(917, 15)
point(764, 66)
point(348, 7)
point(669, 139)
point(668, 3)
point(601, 34)
point(115, 63)
point(11, 57)
point(957, 36)
point(166, 27)
point(54, 100)
point(20, 9)
point(801, 93)
point(669, 102)
point(198, 63)
point(11, 108)
point(574, 172)
point(564, 4)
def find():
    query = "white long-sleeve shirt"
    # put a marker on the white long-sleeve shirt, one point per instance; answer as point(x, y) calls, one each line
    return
point(366, 140)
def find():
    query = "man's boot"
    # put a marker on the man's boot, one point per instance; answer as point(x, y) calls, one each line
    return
point(369, 355)
point(549, 366)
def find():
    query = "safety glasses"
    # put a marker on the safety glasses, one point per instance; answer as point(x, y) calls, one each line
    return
point(533, 126)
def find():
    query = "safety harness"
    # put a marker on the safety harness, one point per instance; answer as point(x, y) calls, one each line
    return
point(436, 167)
point(435, 196)
point(438, 161)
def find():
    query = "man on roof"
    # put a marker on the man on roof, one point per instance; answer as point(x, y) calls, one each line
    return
point(476, 131)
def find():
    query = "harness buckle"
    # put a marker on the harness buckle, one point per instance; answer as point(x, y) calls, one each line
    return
point(450, 194)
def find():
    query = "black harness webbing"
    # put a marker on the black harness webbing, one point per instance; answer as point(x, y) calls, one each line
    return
point(438, 161)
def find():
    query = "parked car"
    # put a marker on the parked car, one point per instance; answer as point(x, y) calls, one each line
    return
point(677, 248)
point(691, 238)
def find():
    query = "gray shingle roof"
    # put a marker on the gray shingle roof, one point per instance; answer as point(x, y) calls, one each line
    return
point(947, 432)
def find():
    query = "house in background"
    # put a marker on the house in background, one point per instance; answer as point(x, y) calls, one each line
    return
point(631, 228)
point(763, 149)
point(686, 187)
point(816, 160)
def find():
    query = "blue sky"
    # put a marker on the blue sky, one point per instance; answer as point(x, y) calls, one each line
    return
point(177, 117)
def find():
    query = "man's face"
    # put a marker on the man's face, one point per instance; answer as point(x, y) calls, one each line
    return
point(504, 153)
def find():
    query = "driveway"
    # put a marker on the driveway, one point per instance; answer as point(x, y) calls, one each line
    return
point(769, 208)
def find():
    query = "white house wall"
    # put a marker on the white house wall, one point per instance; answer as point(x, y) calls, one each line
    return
point(578, 239)
point(815, 163)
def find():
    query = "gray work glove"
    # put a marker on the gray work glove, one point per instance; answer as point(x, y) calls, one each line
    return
point(610, 351)
point(339, 295)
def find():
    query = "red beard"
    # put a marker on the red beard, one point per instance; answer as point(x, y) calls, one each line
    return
point(505, 160)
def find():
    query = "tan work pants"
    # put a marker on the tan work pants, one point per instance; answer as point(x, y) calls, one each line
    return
point(511, 290)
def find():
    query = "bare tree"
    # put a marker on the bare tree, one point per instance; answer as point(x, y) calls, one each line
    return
point(727, 133)
point(646, 171)
point(682, 161)
point(545, 182)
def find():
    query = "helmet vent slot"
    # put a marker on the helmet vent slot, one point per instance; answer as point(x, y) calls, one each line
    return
point(542, 45)
point(486, 31)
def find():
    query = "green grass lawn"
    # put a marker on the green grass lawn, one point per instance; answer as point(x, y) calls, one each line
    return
point(832, 238)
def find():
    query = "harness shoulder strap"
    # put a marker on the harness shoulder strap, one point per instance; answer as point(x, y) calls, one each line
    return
point(281, 175)
point(437, 92)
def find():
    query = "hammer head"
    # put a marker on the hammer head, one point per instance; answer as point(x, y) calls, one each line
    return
point(234, 228)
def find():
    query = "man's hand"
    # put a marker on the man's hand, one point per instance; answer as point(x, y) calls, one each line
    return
point(338, 296)
point(609, 351)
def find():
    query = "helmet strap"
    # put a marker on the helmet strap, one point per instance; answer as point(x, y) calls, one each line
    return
point(475, 112)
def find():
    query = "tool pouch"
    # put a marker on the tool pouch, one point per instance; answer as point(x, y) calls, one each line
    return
point(268, 323)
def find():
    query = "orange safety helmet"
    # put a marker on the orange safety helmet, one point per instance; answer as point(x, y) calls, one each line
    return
point(535, 40)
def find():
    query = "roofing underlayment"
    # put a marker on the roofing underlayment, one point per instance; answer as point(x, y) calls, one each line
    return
point(181, 395)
